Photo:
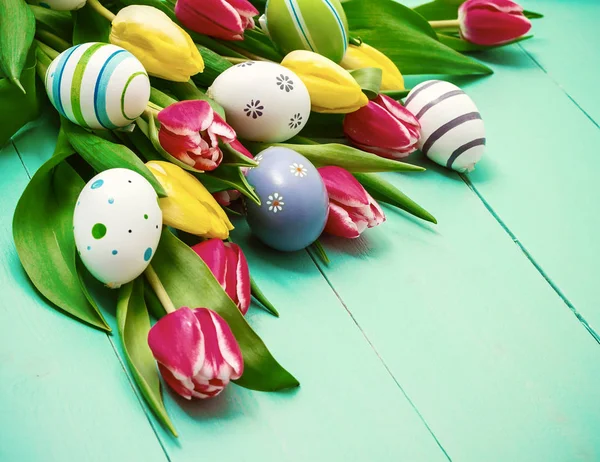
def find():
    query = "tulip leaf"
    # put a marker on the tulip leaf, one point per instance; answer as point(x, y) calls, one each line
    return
point(214, 65)
point(160, 98)
point(17, 28)
point(228, 177)
point(318, 248)
point(409, 41)
point(134, 324)
point(43, 235)
point(369, 79)
point(257, 43)
point(384, 191)
point(233, 157)
point(324, 126)
point(532, 14)
point(103, 155)
point(459, 44)
point(189, 282)
point(59, 23)
point(188, 91)
point(260, 296)
point(343, 156)
point(396, 94)
point(90, 26)
point(19, 108)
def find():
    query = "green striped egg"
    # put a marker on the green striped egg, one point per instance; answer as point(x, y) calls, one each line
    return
point(313, 25)
point(98, 85)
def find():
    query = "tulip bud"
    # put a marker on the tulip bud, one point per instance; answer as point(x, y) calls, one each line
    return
point(351, 207)
point(228, 264)
point(191, 130)
point(196, 351)
point(492, 22)
point(224, 19)
point(189, 206)
point(225, 198)
point(383, 127)
point(332, 89)
point(359, 57)
point(164, 48)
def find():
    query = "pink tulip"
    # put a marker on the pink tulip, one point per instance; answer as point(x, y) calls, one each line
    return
point(383, 127)
point(351, 208)
point(225, 198)
point(492, 22)
point(224, 19)
point(228, 264)
point(196, 351)
point(191, 131)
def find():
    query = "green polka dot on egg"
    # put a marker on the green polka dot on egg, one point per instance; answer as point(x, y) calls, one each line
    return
point(99, 230)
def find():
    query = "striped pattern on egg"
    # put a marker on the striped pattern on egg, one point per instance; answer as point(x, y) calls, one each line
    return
point(98, 85)
point(452, 131)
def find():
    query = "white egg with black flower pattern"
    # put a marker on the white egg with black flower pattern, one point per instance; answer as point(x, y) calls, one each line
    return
point(452, 131)
point(117, 225)
point(263, 101)
point(60, 5)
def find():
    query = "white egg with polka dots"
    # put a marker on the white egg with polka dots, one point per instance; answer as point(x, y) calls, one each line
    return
point(117, 226)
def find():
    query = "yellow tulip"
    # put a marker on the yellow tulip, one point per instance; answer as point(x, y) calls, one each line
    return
point(332, 89)
point(358, 57)
point(188, 205)
point(164, 48)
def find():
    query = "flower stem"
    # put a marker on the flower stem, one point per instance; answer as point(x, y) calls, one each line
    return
point(101, 10)
point(50, 52)
point(444, 24)
point(43, 62)
point(235, 60)
point(52, 40)
point(159, 289)
point(249, 55)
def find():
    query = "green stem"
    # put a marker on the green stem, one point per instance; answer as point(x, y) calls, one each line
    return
point(50, 52)
point(444, 24)
point(101, 10)
point(52, 40)
point(43, 62)
point(233, 60)
point(159, 289)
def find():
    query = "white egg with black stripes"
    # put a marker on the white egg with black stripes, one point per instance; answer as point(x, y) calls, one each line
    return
point(452, 130)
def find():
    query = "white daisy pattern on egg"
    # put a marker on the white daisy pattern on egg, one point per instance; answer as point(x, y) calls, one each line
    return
point(275, 203)
point(298, 170)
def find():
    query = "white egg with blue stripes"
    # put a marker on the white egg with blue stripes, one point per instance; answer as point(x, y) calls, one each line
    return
point(98, 86)
point(452, 131)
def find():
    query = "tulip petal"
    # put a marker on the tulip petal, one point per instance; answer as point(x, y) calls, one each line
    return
point(244, 8)
point(339, 223)
point(175, 384)
point(238, 277)
point(187, 118)
point(388, 153)
point(220, 129)
point(215, 18)
point(212, 252)
point(342, 187)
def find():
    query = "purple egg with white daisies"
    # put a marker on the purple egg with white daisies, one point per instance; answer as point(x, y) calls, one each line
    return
point(294, 201)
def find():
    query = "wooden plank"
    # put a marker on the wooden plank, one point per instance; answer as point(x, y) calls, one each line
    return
point(348, 407)
point(64, 395)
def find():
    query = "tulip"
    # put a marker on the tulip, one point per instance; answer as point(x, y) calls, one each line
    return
point(191, 131)
point(228, 264)
point(196, 351)
point(383, 127)
point(225, 198)
point(351, 207)
point(332, 89)
point(164, 48)
point(189, 206)
point(359, 57)
point(492, 22)
point(224, 19)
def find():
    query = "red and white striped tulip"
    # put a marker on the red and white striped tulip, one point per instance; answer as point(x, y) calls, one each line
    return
point(351, 207)
point(190, 131)
point(492, 22)
point(196, 351)
point(224, 19)
point(228, 264)
point(383, 127)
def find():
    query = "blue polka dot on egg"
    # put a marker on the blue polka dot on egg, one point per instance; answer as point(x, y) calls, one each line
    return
point(114, 252)
point(111, 201)
point(148, 254)
point(96, 184)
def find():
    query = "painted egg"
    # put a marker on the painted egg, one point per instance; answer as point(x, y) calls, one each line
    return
point(452, 131)
point(117, 225)
point(313, 25)
point(294, 202)
point(98, 85)
point(61, 5)
point(262, 101)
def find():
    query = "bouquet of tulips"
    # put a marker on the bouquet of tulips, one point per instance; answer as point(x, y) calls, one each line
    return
point(176, 115)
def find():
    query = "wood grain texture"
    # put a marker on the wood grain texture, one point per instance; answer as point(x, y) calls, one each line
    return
point(64, 394)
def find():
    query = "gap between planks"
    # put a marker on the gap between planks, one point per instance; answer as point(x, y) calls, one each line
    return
point(114, 349)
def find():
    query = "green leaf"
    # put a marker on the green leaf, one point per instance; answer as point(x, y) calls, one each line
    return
point(103, 155)
point(160, 98)
point(408, 40)
point(43, 235)
point(235, 158)
point(463, 46)
point(189, 282)
point(59, 23)
point(264, 301)
point(187, 91)
point(228, 177)
point(343, 156)
point(369, 79)
point(256, 43)
point(134, 325)
point(90, 26)
point(324, 126)
point(214, 65)
point(18, 107)
point(17, 28)
point(532, 14)
point(396, 94)
point(384, 191)
point(318, 248)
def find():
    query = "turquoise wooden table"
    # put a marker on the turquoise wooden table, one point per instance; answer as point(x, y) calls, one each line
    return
point(473, 340)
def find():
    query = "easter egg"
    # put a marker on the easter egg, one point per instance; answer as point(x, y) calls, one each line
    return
point(452, 131)
point(313, 25)
point(61, 5)
point(98, 85)
point(294, 201)
point(262, 101)
point(117, 225)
